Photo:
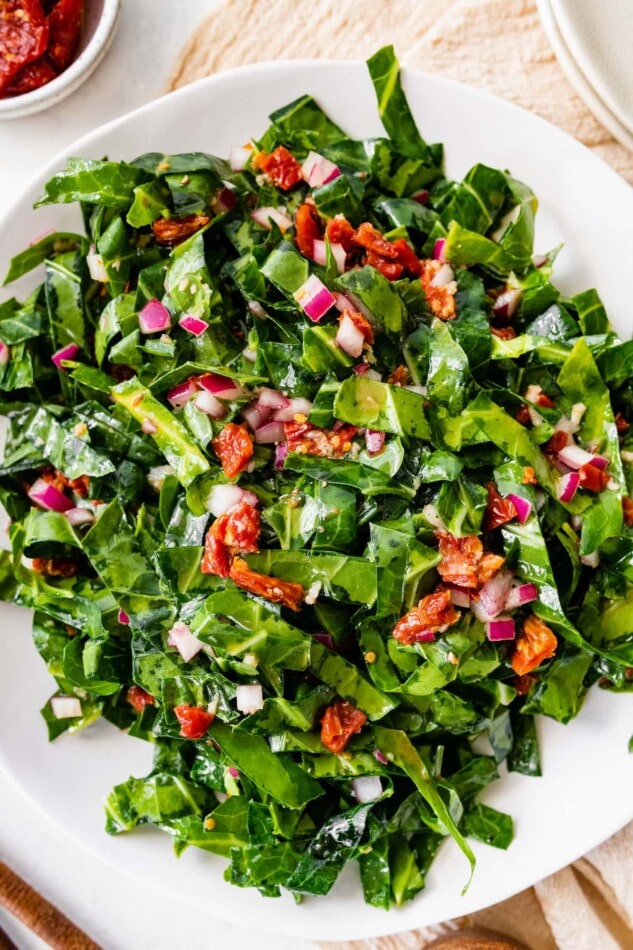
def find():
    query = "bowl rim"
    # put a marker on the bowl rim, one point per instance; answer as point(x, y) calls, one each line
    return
point(73, 75)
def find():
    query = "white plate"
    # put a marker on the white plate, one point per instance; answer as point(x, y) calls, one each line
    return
point(592, 44)
point(586, 792)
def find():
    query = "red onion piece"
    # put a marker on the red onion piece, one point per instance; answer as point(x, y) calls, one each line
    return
point(520, 595)
point(149, 426)
point(193, 325)
point(460, 597)
point(314, 298)
point(506, 303)
point(48, 497)
point(96, 267)
point(222, 498)
point(264, 216)
point(502, 628)
point(212, 407)
point(238, 157)
point(378, 755)
point(422, 197)
point(425, 636)
point(539, 260)
point(255, 414)
point(599, 461)
point(224, 200)
point(271, 399)
point(319, 252)
point(349, 337)
point(123, 618)
point(154, 317)
point(318, 170)
point(181, 637)
point(250, 698)
point(233, 772)
point(439, 250)
point(65, 707)
point(179, 396)
point(523, 507)
point(78, 516)
point(591, 560)
point(270, 432)
point(568, 486)
point(326, 640)
point(66, 353)
point(296, 407)
point(375, 441)
point(367, 788)
point(221, 386)
point(492, 596)
point(281, 451)
point(5, 353)
point(157, 475)
point(341, 302)
point(574, 457)
point(444, 276)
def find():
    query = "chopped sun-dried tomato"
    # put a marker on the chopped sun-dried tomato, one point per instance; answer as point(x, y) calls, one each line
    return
point(593, 478)
point(407, 257)
point(64, 21)
point(236, 530)
point(194, 720)
point(371, 239)
point(392, 270)
point(361, 323)
point(139, 699)
point(621, 424)
point(308, 228)
point(172, 231)
point(272, 588)
point(306, 439)
point(280, 166)
point(523, 684)
point(536, 644)
point(55, 566)
point(440, 300)
point(217, 557)
point(464, 562)
point(557, 442)
point(24, 34)
point(340, 722)
point(31, 77)
point(340, 231)
point(400, 376)
point(234, 447)
point(523, 415)
point(433, 614)
point(498, 510)
point(504, 333)
point(80, 485)
point(627, 511)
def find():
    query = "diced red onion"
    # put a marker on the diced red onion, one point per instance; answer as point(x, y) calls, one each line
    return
point(264, 216)
point(520, 595)
point(318, 170)
point(181, 637)
point(297, 406)
point(48, 497)
point(222, 498)
point(255, 414)
point(325, 639)
point(221, 386)
point(249, 355)
point(281, 451)
point(212, 407)
point(78, 516)
point(367, 788)
point(341, 302)
point(349, 337)
point(271, 399)
point(233, 772)
point(364, 369)
point(375, 441)
point(224, 200)
point(429, 513)
point(149, 426)
point(66, 707)
point(539, 260)
point(179, 396)
point(238, 157)
point(154, 317)
point(378, 755)
point(439, 250)
point(5, 353)
point(574, 457)
point(123, 618)
point(506, 303)
point(314, 298)
point(270, 432)
point(257, 310)
point(591, 560)
point(193, 325)
point(460, 597)
point(66, 353)
point(96, 267)
point(566, 425)
point(250, 698)
point(444, 276)
point(319, 254)
point(422, 197)
point(502, 628)
point(523, 507)
point(493, 594)
point(425, 636)
point(157, 475)
point(599, 461)
point(340, 256)
point(568, 486)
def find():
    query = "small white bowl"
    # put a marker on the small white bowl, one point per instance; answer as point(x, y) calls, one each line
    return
point(100, 20)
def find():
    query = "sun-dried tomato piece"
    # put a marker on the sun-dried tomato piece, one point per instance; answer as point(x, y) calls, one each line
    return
point(194, 720)
point(65, 29)
point(407, 257)
point(557, 442)
point(523, 415)
point(498, 510)
point(433, 614)
point(339, 723)
point(24, 34)
point(523, 684)
point(440, 300)
point(627, 511)
point(308, 228)
point(340, 231)
point(272, 588)
point(593, 478)
point(621, 424)
point(489, 565)
point(55, 566)
point(307, 439)
point(31, 77)
point(371, 239)
point(241, 529)
point(280, 166)
point(217, 557)
point(535, 644)
point(139, 699)
point(234, 447)
point(172, 231)
point(464, 562)
point(529, 476)
point(361, 323)
point(544, 400)
point(392, 270)
point(400, 376)
point(504, 333)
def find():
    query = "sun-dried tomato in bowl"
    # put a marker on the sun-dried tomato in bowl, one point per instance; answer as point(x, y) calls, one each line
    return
point(39, 39)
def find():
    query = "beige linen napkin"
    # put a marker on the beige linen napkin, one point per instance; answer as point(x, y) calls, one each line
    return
point(500, 46)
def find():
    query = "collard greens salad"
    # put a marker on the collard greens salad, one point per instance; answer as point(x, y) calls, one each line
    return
point(314, 477)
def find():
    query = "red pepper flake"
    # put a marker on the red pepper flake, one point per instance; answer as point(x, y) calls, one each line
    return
point(340, 722)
